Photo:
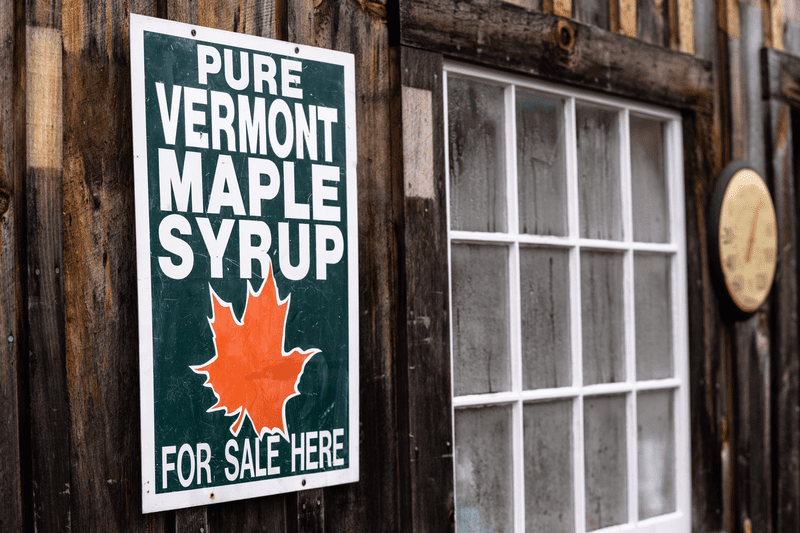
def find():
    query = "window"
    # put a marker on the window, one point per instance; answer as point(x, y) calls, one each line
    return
point(568, 309)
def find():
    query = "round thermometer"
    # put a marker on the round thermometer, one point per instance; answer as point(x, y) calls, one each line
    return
point(743, 240)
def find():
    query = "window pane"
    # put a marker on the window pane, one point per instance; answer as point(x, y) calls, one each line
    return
point(548, 467)
point(544, 295)
point(480, 318)
point(541, 165)
point(653, 316)
point(648, 181)
point(606, 461)
point(656, 454)
point(484, 484)
point(602, 316)
point(598, 172)
point(477, 155)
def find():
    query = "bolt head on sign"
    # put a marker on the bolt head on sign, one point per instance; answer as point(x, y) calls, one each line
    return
point(245, 186)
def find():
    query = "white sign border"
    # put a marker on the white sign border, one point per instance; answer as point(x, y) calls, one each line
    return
point(151, 500)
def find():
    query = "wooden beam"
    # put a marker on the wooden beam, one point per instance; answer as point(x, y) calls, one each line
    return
point(49, 405)
point(780, 76)
point(506, 36)
point(96, 222)
point(424, 371)
point(13, 471)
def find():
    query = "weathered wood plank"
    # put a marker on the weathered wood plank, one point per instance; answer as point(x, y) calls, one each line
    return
point(11, 293)
point(707, 336)
point(786, 377)
point(652, 21)
point(776, 23)
point(424, 368)
point(753, 385)
point(49, 407)
point(780, 76)
point(594, 12)
point(568, 52)
point(361, 28)
point(102, 359)
point(626, 11)
point(262, 514)
point(685, 14)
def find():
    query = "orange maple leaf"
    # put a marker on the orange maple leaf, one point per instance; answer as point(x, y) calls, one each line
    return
point(251, 375)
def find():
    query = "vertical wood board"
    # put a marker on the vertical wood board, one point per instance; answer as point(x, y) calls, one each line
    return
point(425, 368)
point(11, 294)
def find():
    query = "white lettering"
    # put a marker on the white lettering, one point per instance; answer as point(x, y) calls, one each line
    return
point(169, 118)
point(231, 474)
point(204, 66)
point(249, 252)
point(244, 70)
point(166, 466)
point(327, 257)
point(175, 245)
point(301, 269)
point(182, 185)
point(287, 79)
point(321, 192)
point(216, 244)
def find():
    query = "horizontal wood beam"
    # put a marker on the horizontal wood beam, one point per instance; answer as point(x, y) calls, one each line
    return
point(532, 42)
point(780, 76)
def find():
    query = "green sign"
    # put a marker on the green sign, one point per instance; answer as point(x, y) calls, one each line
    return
point(245, 183)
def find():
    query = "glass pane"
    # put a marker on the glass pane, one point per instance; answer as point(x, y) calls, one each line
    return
point(602, 316)
point(648, 181)
point(656, 454)
point(544, 295)
point(598, 173)
point(606, 461)
point(480, 318)
point(653, 304)
point(477, 155)
point(541, 165)
point(484, 485)
point(548, 467)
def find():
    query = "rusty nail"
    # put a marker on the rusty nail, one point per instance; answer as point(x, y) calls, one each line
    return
point(303, 482)
point(194, 33)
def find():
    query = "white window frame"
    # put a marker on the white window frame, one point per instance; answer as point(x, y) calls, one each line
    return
point(680, 520)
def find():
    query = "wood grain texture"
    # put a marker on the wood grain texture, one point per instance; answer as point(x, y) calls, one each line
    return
point(753, 377)
point(508, 37)
point(424, 368)
point(652, 21)
point(786, 377)
point(49, 406)
point(101, 344)
point(628, 13)
point(780, 76)
point(786, 393)
point(708, 338)
point(592, 12)
point(360, 27)
point(562, 8)
point(11, 292)
point(776, 20)
point(685, 13)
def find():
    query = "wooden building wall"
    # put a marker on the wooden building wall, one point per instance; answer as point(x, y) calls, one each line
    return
point(69, 433)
